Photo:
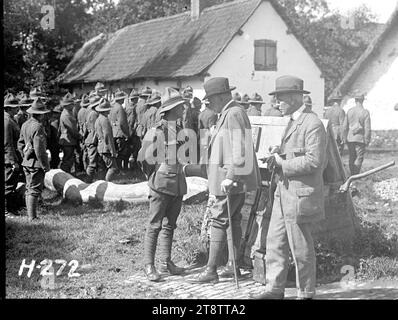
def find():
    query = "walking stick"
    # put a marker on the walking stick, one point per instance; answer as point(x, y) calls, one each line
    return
point(231, 241)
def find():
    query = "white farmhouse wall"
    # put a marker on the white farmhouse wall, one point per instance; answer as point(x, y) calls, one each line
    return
point(237, 60)
point(379, 81)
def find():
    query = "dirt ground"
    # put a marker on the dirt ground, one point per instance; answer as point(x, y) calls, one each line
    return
point(90, 235)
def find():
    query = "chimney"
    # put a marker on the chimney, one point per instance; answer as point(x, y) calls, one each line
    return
point(197, 6)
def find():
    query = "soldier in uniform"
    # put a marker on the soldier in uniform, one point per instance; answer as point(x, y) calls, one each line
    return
point(100, 89)
point(120, 129)
point(134, 140)
point(24, 103)
point(245, 101)
point(255, 105)
point(69, 134)
point(53, 139)
point(32, 146)
point(152, 113)
point(167, 186)
point(106, 146)
point(357, 134)
point(140, 110)
point(207, 118)
point(81, 124)
point(307, 101)
point(272, 110)
point(12, 159)
point(336, 115)
point(91, 142)
point(237, 97)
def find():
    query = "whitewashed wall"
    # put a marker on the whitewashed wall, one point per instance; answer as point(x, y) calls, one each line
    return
point(237, 60)
point(379, 80)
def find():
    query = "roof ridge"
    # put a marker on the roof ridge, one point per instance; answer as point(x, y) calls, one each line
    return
point(227, 4)
point(155, 19)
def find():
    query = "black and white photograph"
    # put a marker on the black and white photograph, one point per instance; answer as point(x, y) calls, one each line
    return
point(200, 155)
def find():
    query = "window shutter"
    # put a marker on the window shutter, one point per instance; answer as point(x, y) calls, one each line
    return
point(265, 55)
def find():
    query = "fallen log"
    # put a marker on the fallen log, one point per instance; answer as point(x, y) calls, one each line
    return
point(76, 190)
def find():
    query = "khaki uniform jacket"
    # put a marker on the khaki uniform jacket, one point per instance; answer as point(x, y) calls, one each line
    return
point(336, 116)
point(131, 119)
point(69, 134)
point(151, 118)
point(118, 119)
point(207, 119)
point(231, 153)
point(141, 109)
point(357, 126)
point(91, 117)
point(301, 186)
point(11, 136)
point(103, 131)
point(168, 176)
point(81, 123)
point(32, 145)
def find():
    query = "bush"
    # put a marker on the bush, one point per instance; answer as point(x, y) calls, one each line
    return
point(376, 268)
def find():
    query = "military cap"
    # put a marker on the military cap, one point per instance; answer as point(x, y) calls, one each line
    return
point(94, 101)
point(187, 93)
point(67, 100)
point(256, 98)
point(245, 99)
point(119, 95)
point(100, 87)
point(134, 94)
point(57, 109)
point(36, 93)
point(103, 105)
point(154, 98)
point(146, 92)
point(84, 101)
point(289, 84)
point(24, 100)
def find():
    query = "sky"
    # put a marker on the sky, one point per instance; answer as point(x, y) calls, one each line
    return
point(382, 8)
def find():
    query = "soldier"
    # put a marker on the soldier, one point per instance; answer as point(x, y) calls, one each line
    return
point(357, 133)
point(255, 105)
point(272, 110)
point(167, 186)
point(195, 105)
point(134, 140)
point(140, 110)
point(53, 139)
point(106, 146)
point(12, 159)
point(336, 115)
point(32, 146)
point(120, 129)
point(307, 101)
point(237, 97)
point(36, 93)
point(24, 103)
point(152, 113)
point(81, 124)
point(91, 142)
point(207, 118)
point(69, 134)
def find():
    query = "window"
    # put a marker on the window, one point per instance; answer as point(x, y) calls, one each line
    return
point(265, 55)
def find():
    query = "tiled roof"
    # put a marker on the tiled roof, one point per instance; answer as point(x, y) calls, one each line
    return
point(164, 48)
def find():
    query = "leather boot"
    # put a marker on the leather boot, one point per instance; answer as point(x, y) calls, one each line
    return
point(209, 275)
point(170, 268)
point(228, 271)
point(268, 295)
point(151, 273)
point(31, 206)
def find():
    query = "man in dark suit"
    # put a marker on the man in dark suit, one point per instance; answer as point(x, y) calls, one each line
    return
point(167, 186)
point(357, 134)
point(299, 199)
point(32, 145)
point(12, 159)
point(232, 170)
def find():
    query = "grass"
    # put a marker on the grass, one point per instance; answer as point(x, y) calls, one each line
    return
point(90, 234)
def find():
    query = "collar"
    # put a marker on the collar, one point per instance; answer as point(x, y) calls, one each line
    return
point(227, 105)
point(296, 114)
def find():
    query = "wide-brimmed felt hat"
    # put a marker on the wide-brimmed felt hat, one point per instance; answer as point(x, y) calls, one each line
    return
point(307, 100)
point(119, 95)
point(25, 101)
point(67, 100)
point(217, 85)
point(256, 98)
point(171, 99)
point(156, 97)
point(38, 107)
point(337, 96)
point(289, 84)
point(85, 101)
point(57, 109)
point(94, 101)
point(245, 99)
point(103, 105)
point(11, 101)
point(146, 92)
point(134, 94)
point(237, 97)
point(358, 95)
point(100, 87)
point(37, 93)
point(187, 93)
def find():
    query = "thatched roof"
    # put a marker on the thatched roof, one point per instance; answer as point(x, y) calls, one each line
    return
point(363, 60)
point(164, 48)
